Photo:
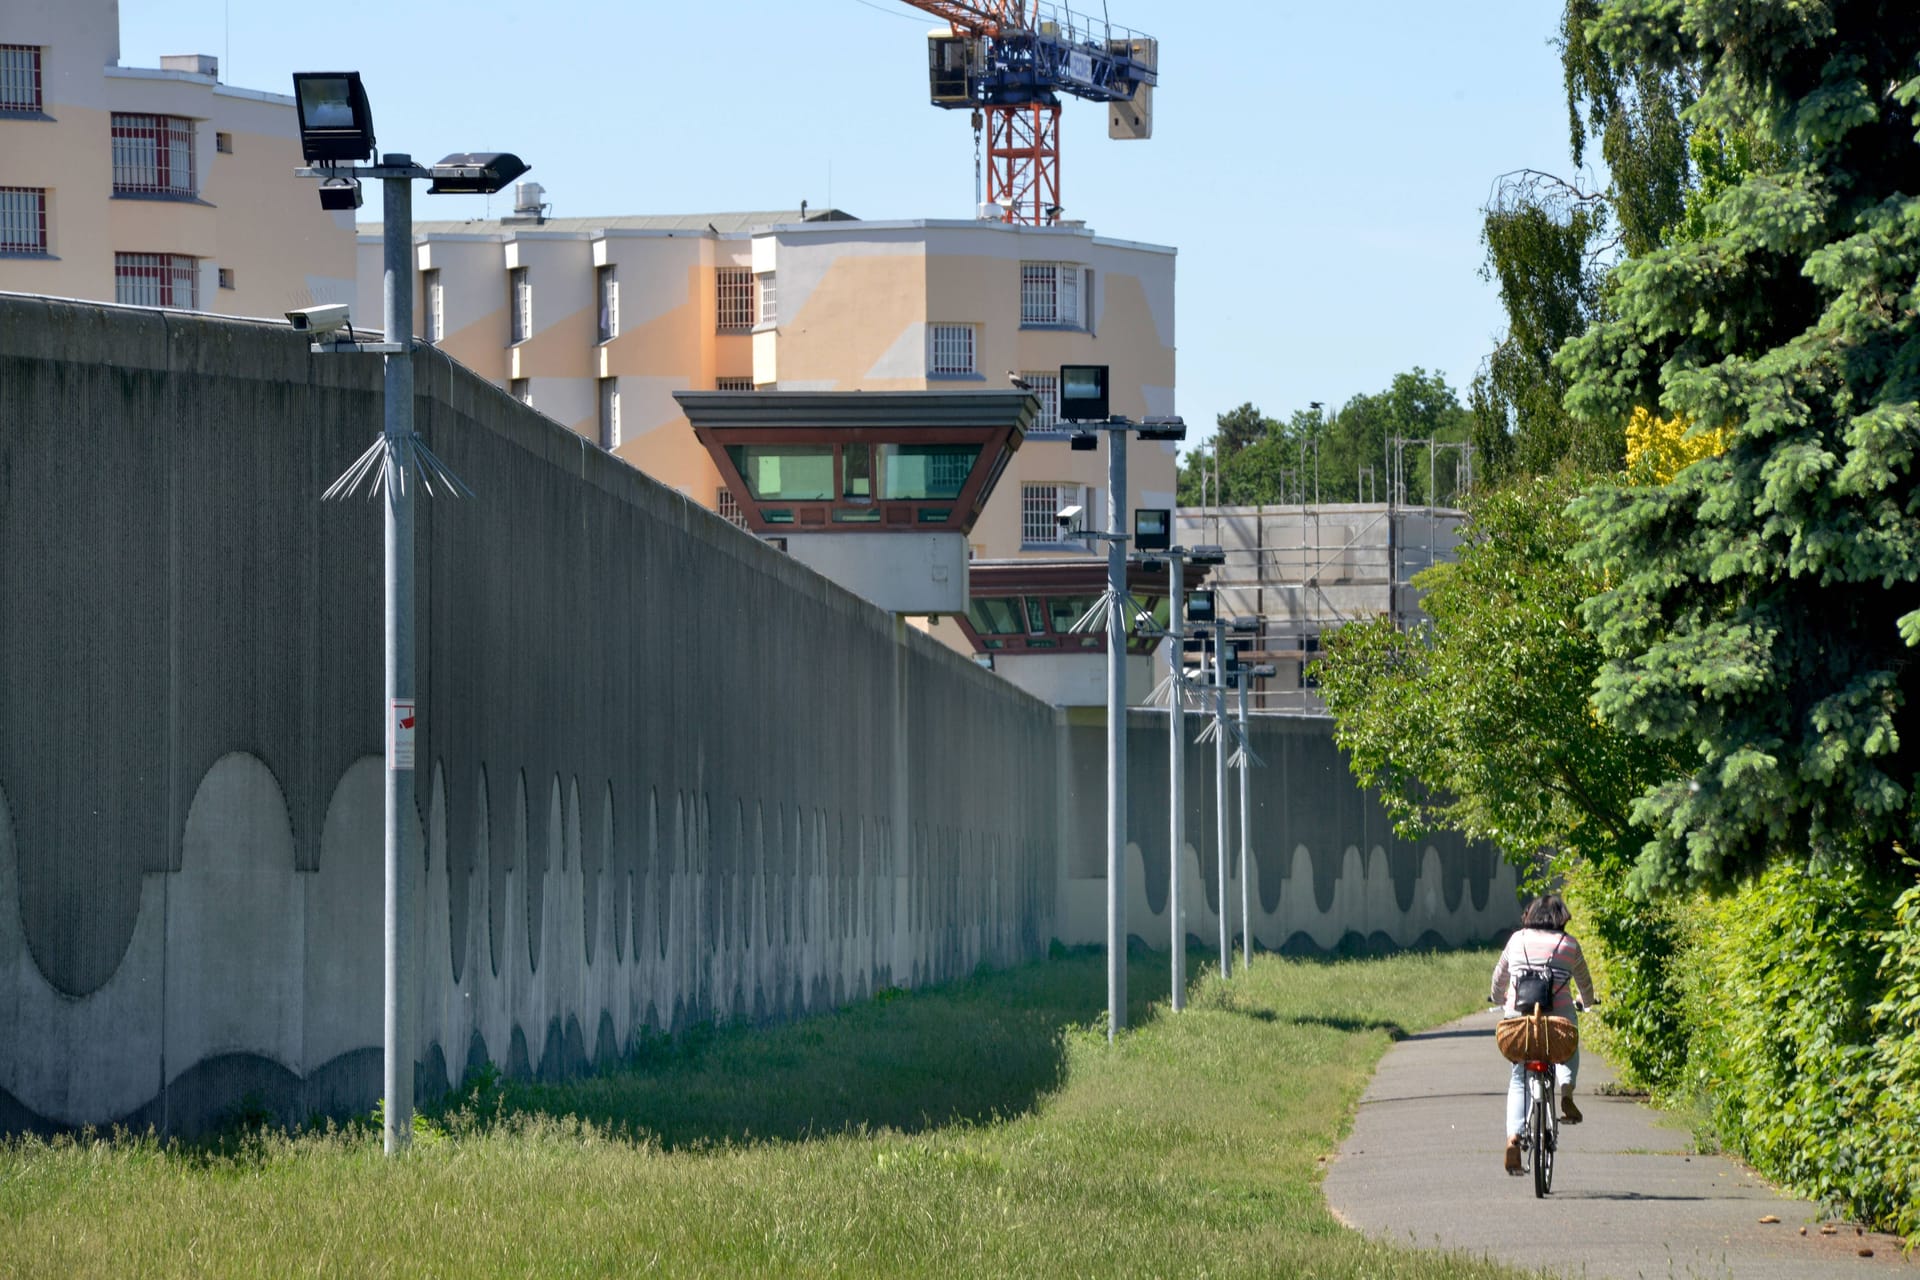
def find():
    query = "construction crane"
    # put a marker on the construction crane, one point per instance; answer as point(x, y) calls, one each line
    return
point(1009, 61)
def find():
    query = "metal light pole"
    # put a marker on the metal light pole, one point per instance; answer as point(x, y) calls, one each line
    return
point(336, 129)
point(1246, 915)
point(1116, 730)
point(1176, 757)
point(1220, 789)
point(1244, 759)
point(402, 715)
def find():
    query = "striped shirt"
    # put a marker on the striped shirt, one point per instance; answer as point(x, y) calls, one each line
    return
point(1554, 950)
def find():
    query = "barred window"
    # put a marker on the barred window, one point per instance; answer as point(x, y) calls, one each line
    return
point(152, 155)
point(769, 299)
point(607, 287)
point(19, 77)
point(1046, 389)
point(520, 308)
point(1051, 293)
point(155, 280)
point(735, 290)
point(729, 507)
point(1039, 510)
point(434, 294)
point(610, 413)
point(952, 349)
point(733, 384)
point(23, 220)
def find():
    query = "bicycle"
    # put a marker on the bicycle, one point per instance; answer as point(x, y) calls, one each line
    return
point(1540, 1133)
point(1540, 1130)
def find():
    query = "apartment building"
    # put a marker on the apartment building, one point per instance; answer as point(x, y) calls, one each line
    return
point(152, 186)
point(597, 321)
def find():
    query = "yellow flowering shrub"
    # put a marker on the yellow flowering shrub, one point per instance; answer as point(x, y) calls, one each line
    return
point(1658, 449)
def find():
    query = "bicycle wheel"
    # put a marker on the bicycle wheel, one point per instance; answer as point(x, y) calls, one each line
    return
point(1542, 1137)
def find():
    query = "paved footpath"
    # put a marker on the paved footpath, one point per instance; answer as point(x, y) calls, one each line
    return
point(1422, 1167)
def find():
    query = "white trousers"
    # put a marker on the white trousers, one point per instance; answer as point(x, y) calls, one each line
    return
point(1565, 1073)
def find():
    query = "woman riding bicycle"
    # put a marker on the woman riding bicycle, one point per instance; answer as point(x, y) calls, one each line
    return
point(1542, 942)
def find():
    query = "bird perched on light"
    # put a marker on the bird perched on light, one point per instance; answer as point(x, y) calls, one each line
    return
point(1019, 383)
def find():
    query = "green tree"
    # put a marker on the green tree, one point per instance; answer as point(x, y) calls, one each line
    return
point(1314, 456)
point(1761, 608)
point(1549, 245)
point(1482, 723)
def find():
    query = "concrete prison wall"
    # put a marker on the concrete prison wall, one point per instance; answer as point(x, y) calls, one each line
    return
point(1326, 872)
point(666, 773)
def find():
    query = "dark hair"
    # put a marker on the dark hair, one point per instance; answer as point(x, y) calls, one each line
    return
point(1548, 911)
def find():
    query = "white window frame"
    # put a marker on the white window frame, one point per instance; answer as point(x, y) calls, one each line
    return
point(735, 307)
point(157, 280)
point(611, 436)
point(153, 155)
point(20, 77)
point(1055, 295)
point(433, 296)
point(952, 351)
point(1046, 389)
point(607, 297)
point(767, 289)
point(1040, 504)
point(23, 220)
point(520, 305)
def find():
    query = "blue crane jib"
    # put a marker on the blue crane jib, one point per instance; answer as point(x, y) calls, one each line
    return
point(1062, 53)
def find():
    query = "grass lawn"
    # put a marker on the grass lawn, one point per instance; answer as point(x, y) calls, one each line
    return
point(980, 1129)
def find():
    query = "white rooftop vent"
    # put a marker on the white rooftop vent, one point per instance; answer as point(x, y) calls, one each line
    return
point(194, 64)
point(528, 198)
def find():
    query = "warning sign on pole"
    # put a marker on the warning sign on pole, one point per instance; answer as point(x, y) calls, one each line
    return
point(400, 725)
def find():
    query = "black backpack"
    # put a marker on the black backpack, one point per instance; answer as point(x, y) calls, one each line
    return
point(1534, 986)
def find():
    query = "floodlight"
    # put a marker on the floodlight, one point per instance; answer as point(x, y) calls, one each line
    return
point(1200, 607)
point(475, 173)
point(1153, 528)
point(340, 194)
point(1207, 555)
point(1083, 442)
point(1244, 626)
point(1083, 393)
point(335, 121)
point(1265, 671)
point(1162, 429)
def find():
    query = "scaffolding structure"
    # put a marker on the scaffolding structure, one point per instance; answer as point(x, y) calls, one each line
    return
point(1304, 570)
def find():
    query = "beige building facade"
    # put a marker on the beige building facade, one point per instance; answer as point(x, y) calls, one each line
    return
point(154, 187)
point(596, 322)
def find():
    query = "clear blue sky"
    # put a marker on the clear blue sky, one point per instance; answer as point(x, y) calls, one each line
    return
point(1319, 166)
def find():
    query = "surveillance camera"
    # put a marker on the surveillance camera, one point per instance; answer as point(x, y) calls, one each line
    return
point(1069, 516)
point(327, 318)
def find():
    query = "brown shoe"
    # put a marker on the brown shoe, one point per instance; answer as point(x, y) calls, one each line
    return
point(1513, 1157)
point(1569, 1114)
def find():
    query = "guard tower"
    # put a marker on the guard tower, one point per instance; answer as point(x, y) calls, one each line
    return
point(876, 490)
point(1020, 621)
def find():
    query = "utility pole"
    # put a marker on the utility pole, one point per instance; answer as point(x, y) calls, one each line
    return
point(1116, 731)
point(1220, 789)
point(1177, 768)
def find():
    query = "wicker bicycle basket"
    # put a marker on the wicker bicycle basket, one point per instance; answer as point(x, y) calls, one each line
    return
point(1538, 1038)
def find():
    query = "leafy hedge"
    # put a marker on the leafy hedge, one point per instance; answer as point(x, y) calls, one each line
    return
point(1791, 1008)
